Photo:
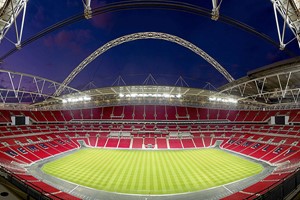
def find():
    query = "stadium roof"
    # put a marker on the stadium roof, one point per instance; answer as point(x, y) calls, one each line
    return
point(216, 43)
point(277, 83)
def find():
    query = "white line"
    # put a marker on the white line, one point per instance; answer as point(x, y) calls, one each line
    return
point(74, 188)
point(227, 189)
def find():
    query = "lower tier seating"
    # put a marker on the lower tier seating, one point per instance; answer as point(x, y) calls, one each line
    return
point(255, 141)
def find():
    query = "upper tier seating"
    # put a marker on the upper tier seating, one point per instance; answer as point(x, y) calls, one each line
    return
point(151, 112)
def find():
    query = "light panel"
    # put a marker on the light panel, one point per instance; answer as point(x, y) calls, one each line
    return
point(76, 99)
point(146, 95)
point(223, 99)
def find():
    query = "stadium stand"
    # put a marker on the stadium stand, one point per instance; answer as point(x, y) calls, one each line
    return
point(151, 112)
point(31, 143)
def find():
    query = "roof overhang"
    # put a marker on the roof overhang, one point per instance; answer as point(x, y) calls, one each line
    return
point(142, 94)
point(274, 85)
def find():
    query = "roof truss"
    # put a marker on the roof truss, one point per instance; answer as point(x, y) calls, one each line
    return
point(276, 88)
point(24, 88)
point(9, 13)
point(289, 10)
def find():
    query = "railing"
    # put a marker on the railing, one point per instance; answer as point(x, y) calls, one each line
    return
point(27, 187)
point(280, 189)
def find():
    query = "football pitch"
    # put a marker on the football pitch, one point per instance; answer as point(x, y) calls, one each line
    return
point(151, 172)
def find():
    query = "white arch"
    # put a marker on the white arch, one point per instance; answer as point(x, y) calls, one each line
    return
point(140, 36)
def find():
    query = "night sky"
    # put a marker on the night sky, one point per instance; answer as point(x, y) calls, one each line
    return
point(55, 55)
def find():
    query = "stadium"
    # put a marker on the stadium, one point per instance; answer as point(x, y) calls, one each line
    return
point(150, 100)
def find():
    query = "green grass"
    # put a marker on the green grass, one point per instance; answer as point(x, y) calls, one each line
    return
point(151, 172)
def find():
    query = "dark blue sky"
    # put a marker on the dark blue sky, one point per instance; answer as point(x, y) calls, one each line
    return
point(55, 55)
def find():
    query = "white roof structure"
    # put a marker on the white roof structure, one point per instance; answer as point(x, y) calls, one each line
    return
point(9, 12)
point(289, 12)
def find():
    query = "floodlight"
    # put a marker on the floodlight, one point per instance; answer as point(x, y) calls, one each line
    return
point(87, 98)
point(224, 99)
point(76, 99)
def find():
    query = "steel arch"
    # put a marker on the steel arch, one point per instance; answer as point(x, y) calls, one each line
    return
point(139, 36)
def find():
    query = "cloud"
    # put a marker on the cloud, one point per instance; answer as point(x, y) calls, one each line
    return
point(71, 39)
point(39, 19)
point(102, 21)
